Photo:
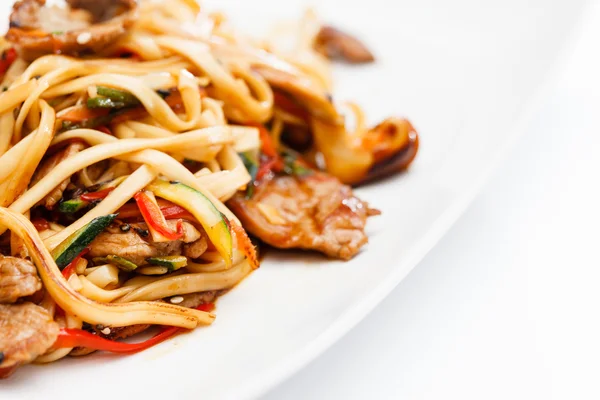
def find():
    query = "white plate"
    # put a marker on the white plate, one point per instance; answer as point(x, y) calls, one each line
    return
point(463, 72)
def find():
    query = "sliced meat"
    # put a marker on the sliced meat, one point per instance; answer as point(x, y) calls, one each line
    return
point(128, 245)
point(314, 212)
point(26, 331)
point(48, 165)
point(137, 249)
point(18, 278)
point(190, 233)
point(85, 26)
point(195, 249)
point(335, 44)
point(193, 300)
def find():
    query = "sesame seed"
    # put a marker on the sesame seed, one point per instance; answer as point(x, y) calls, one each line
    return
point(105, 331)
point(84, 37)
point(176, 299)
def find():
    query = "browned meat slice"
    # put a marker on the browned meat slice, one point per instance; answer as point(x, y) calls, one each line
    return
point(128, 245)
point(195, 249)
point(132, 246)
point(48, 165)
point(84, 26)
point(26, 331)
point(335, 44)
point(315, 212)
point(18, 278)
point(193, 300)
point(190, 233)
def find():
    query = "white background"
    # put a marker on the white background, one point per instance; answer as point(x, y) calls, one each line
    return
point(507, 305)
point(504, 307)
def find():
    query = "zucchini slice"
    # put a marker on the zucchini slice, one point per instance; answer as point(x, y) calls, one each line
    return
point(117, 95)
point(172, 263)
point(211, 219)
point(65, 252)
point(122, 263)
point(72, 206)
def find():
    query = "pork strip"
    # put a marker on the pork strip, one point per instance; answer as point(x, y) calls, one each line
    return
point(26, 332)
point(86, 26)
point(132, 246)
point(315, 212)
point(18, 278)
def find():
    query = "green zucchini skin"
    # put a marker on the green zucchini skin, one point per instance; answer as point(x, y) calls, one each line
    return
point(202, 209)
point(173, 263)
point(72, 206)
point(117, 95)
point(122, 263)
point(103, 102)
point(72, 246)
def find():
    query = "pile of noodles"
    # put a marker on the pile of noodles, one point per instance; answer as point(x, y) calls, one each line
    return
point(177, 47)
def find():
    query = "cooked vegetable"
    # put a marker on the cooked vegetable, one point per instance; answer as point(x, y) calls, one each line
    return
point(95, 196)
point(117, 95)
point(120, 262)
point(69, 338)
point(112, 98)
point(202, 209)
point(294, 165)
point(81, 114)
point(335, 44)
point(70, 268)
point(100, 192)
point(64, 253)
point(161, 232)
point(103, 102)
point(173, 263)
point(7, 58)
point(72, 206)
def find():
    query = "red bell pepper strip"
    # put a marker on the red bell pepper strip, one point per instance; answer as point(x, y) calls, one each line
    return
point(104, 129)
point(174, 211)
point(70, 268)
point(267, 146)
point(94, 196)
point(206, 307)
point(8, 57)
point(79, 338)
point(154, 217)
point(169, 210)
point(272, 165)
point(40, 224)
point(8, 371)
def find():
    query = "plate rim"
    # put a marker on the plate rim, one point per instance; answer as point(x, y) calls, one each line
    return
point(281, 371)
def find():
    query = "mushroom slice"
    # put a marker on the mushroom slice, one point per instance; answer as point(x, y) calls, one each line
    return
point(335, 44)
point(360, 157)
point(82, 26)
